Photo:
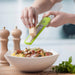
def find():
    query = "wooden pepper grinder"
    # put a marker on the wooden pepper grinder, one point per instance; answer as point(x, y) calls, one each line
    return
point(16, 33)
point(4, 42)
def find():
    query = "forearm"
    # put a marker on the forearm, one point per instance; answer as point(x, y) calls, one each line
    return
point(71, 18)
point(43, 5)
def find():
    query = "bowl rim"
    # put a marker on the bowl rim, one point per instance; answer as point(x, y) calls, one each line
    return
point(33, 57)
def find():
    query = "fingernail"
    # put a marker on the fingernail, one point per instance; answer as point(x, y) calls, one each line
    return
point(48, 26)
point(26, 26)
point(32, 25)
point(29, 26)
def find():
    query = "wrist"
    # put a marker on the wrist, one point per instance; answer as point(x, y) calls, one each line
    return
point(71, 18)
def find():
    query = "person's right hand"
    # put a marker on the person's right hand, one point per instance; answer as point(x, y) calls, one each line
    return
point(28, 15)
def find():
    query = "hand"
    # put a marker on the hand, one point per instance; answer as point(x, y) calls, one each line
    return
point(59, 19)
point(28, 15)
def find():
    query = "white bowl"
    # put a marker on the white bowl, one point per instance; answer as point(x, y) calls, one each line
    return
point(29, 64)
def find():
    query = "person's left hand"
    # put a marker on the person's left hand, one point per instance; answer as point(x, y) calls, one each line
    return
point(59, 19)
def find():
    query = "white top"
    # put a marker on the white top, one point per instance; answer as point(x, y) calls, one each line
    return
point(57, 7)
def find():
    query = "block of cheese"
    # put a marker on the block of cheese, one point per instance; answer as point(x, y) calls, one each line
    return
point(32, 31)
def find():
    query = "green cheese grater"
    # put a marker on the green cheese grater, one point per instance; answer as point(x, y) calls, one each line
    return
point(39, 28)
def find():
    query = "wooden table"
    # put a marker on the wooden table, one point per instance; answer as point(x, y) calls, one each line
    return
point(11, 70)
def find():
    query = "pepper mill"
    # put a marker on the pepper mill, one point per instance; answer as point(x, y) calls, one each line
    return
point(4, 42)
point(16, 33)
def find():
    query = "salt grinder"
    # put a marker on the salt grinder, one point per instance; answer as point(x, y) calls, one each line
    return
point(16, 33)
point(4, 42)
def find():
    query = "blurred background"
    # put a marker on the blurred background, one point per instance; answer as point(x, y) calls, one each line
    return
point(61, 39)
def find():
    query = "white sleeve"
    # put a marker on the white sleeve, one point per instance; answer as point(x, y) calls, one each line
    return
point(57, 7)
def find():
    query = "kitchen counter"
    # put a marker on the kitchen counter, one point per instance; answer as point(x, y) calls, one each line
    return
point(11, 70)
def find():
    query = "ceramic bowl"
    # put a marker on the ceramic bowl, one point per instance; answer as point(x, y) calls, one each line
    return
point(29, 64)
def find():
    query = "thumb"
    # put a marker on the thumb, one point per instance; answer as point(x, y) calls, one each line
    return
point(54, 22)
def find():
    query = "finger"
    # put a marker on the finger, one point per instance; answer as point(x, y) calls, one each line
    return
point(24, 23)
point(50, 13)
point(26, 17)
point(35, 19)
point(30, 15)
point(22, 18)
point(22, 15)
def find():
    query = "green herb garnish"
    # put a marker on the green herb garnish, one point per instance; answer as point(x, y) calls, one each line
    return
point(65, 67)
